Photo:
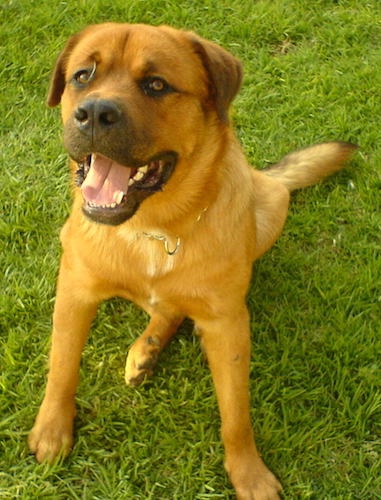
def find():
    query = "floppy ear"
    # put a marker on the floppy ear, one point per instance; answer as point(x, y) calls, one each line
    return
point(224, 72)
point(58, 80)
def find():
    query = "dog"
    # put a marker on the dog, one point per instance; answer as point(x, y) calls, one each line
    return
point(166, 213)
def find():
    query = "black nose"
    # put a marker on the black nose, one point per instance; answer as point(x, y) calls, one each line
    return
point(94, 116)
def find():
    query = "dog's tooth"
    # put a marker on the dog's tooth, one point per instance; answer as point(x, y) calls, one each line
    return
point(138, 176)
point(131, 182)
point(119, 198)
point(143, 169)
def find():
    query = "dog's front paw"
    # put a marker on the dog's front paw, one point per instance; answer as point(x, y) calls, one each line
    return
point(264, 488)
point(252, 480)
point(141, 360)
point(52, 434)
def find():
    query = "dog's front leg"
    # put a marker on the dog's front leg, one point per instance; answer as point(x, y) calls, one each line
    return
point(52, 434)
point(227, 345)
point(144, 352)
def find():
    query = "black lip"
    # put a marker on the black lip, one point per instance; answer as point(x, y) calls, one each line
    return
point(136, 194)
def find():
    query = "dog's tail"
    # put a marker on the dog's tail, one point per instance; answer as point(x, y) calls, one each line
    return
point(311, 165)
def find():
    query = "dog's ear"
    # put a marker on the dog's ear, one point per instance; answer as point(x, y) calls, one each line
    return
point(58, 80)
point(224, 73)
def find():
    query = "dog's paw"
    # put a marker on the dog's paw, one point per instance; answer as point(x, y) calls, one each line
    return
point(255, 482)
point(141, 360)
point(266, 488)
point(52, 435)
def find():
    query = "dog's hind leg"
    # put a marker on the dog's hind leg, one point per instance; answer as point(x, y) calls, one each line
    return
point(271, 200)
point(144, 352)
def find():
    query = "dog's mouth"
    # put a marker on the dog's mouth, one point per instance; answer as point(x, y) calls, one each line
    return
point(112, 192)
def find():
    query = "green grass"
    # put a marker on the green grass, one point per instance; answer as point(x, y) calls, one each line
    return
point(312, 73)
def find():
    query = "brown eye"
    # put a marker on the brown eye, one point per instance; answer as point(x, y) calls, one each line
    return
point(155, 87)
point(84, 76)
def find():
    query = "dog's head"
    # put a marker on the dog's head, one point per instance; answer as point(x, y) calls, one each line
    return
point(136, 102)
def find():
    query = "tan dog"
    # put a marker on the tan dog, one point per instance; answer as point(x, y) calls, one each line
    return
point(167, 213)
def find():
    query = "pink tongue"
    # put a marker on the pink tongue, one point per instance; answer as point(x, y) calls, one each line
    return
point(106, 181)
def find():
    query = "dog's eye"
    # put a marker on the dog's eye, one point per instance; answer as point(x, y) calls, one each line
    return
point(84, 76)
point(155, 87)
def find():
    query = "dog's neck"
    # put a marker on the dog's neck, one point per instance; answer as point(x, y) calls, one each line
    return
point(171, 245)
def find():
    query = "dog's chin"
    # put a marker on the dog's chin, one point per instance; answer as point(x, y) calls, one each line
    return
point(113, 216)
point(112, 192)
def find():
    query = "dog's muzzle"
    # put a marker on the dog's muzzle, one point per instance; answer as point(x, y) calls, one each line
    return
point(113, 182)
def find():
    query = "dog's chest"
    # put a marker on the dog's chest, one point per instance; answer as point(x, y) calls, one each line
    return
point(150, 254)
point(156, 262)
point(148, 276)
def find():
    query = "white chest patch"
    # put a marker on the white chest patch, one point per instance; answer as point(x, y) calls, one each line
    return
point(152, 251)
point(158, 262)
point(153, 300)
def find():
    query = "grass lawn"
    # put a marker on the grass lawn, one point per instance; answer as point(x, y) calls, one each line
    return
point(312, 73)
